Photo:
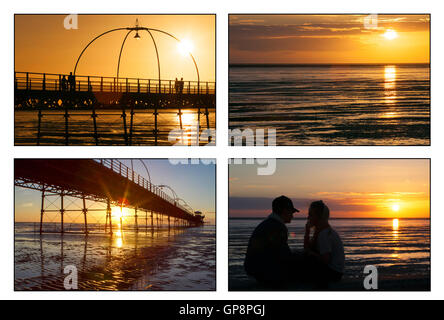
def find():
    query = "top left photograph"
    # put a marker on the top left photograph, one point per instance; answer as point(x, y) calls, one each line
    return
point(123, 80)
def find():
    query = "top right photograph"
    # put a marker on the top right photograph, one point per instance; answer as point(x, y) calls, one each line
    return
point(339, 80)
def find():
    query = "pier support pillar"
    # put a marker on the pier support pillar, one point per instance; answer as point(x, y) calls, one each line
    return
point(94, 117)
point(131, 126)
point(42, 210)
point(155, 126)
point(62, 212)
point(39, 125)
point(125, 134)
point(85, 211)
point(66, 116)
point(108, 217)
point(135, 219)
point(208, 122)
point(181, 125)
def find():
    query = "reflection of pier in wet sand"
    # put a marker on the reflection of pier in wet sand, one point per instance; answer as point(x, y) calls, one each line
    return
point(144, 260)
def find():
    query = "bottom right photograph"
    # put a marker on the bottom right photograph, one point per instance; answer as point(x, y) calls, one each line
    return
point(329, 225)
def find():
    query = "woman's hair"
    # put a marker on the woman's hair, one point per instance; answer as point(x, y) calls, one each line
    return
point(320, 209)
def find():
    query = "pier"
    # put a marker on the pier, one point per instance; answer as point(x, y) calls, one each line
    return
point(69, 96)
point(129, 99)
point(108, 181)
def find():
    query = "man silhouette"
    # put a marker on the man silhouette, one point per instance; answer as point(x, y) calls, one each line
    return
point(269, 258)
point(72, 82)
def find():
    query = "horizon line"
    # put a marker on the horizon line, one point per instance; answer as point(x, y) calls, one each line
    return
point(333, 218)
point(298, 64)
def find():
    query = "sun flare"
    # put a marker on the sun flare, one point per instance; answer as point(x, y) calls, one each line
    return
point(185, 47)
point(395, 207)
point(390, 34)
point(119, 213)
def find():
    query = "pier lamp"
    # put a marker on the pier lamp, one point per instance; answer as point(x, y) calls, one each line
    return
point(137, 30)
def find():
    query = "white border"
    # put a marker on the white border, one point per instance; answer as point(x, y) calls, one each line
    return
point(222, 152)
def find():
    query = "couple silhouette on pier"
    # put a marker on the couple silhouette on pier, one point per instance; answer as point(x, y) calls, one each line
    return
point(178, 85)
point(69, 83)
point(270, 260)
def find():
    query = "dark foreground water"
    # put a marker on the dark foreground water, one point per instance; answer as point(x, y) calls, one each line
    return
point(176, 259)
point(334, 104)
point(401, 253)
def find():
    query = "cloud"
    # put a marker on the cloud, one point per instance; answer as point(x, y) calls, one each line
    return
point(253, 34)
point(260, 206)
point(27, 204)
point(264, 203)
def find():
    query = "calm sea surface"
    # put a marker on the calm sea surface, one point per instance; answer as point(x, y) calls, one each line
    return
point(338, 105)
point(178, 259)
point(397, 253)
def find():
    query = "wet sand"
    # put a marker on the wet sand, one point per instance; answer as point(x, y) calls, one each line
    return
point(175, 259)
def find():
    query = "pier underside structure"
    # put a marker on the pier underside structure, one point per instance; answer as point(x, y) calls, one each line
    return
point(107, 181)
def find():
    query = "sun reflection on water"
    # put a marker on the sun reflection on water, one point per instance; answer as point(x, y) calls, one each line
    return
point(395, 224)
point(390, 84)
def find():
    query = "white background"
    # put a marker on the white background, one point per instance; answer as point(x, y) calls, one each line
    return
point(222, 152)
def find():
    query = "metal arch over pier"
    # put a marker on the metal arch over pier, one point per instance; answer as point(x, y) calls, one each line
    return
point(45, 91)
point(105, 180)
point(137, 36)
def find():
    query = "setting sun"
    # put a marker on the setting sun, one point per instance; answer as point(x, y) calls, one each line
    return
point(185, 46)
point(119, 212)
point(390, 34)
point(395, 207)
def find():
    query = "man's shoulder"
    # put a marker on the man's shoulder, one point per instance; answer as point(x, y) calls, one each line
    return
point(270, 223)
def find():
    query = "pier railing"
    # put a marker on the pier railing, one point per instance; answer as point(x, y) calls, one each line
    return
point(125, 171)
point(60, 82)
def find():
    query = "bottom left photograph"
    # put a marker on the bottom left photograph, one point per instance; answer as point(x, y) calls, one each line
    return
point(115, 224)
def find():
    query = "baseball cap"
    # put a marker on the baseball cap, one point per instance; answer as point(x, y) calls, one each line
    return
point(283, 202)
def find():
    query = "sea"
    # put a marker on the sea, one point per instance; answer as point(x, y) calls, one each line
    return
point(398, 252)
point(332, 104)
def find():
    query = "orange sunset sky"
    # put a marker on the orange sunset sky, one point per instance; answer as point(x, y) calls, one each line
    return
point(352, 188)
point(329, 39)
point(42, 44)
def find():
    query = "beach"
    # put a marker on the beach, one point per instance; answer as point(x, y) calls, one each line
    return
point(402, 256)
point(152, 259)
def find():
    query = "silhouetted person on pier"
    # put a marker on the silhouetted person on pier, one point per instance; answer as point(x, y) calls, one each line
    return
point(72, 82)
point(64, 84)
point(176, 86)
point(269, 258)
point(181, 85)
